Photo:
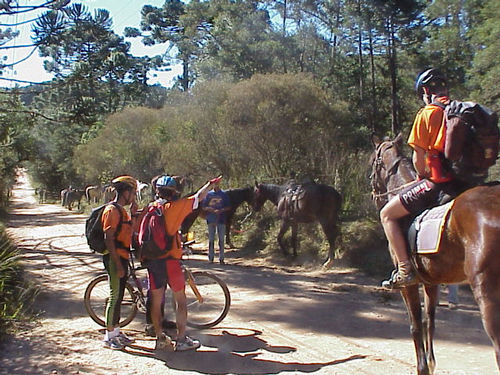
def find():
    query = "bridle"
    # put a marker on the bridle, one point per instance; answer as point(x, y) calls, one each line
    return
point(377, 180)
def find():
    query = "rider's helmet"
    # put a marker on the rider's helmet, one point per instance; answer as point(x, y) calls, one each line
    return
point(432, 78)
point(167, 187)
point(166, 182)
point(122, 183)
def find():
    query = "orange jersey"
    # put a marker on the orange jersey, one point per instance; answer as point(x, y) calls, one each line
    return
point(429, 133)
point(175, 212)
point(110, 219)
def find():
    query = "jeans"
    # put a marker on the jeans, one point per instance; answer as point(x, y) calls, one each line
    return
point(221, 232)
point(453, 293)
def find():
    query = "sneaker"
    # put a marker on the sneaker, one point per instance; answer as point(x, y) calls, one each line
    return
point(400, 280)
point(113, 343)
point(150, 330)
point(222, 262)
point(186, 344)
point(124, 339)
point(164, 343)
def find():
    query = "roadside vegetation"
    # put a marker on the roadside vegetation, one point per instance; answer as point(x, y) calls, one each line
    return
point(16, 293)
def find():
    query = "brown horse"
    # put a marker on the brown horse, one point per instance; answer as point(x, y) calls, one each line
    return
point(469, 251)
point(302, 203)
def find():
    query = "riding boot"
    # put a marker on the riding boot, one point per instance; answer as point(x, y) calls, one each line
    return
point(402, 277)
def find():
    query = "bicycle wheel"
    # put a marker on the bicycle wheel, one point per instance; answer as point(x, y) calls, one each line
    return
point(96, 299)
point(215, 304)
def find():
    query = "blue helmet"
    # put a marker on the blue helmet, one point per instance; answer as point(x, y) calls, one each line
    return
point(166, 182)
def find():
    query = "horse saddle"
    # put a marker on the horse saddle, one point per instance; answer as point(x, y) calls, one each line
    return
point(426, 230)
point(289, 204)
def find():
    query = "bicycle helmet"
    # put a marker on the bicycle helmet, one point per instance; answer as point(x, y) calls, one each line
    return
point(431, 78)
point(166, 182)
point(124, 182)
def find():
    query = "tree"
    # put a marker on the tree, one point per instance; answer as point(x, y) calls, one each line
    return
point(12, 8)
point(172, 25)
point(485, 71)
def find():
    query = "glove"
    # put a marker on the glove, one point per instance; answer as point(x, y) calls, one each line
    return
point(215, 180)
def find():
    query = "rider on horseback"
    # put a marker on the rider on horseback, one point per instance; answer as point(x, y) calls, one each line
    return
point(427, 139)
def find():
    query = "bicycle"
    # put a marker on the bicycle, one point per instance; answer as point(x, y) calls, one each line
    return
point(208, 297)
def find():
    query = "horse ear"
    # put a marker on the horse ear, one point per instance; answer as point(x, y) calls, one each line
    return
point(376, 140)
point(399, 139)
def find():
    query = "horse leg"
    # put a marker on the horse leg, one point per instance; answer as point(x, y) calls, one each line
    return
point(411, 298)
point(294, 226)
point(485, 289)
point(330, 229)
point(431, 295)
point(285, 224)
point(229, 220)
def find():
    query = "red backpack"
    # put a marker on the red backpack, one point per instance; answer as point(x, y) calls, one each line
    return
point(153, 238)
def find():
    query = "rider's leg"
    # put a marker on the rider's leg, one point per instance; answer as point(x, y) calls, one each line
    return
point(156, 299)
point(177, 284)
point(181, 313)
point(390, 215)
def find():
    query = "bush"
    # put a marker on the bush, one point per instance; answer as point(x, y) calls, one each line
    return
point(364, 246)
point(16, 294)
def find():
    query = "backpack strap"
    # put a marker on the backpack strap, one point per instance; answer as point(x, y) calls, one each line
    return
point(439, 104)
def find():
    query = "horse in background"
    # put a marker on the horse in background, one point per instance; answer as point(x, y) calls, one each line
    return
point(93, 193)
point(236, 198)
point(109, 193)
point(468, 252)
point(141, 190)
point(302, 203)
point(73, 196)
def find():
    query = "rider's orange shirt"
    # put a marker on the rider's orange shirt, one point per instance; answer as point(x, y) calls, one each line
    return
point(429, 133)
point(110, 219)
point(175, 212)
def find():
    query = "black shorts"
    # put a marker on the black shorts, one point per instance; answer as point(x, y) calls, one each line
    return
point(420, 195)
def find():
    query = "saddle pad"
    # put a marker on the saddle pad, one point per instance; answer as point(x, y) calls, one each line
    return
point(429, 226)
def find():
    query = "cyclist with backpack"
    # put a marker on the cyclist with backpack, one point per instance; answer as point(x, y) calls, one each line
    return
point(427, 139)
point(117, 226)
point(166, 268)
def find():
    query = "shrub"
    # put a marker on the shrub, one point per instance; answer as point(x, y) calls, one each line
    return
point(16, 294)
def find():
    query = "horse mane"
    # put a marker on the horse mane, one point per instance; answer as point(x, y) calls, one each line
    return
point(272, 191)
point(239, 195)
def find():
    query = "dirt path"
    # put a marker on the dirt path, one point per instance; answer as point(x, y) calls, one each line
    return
point(282, 320)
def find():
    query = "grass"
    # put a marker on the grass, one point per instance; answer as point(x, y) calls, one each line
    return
point(16, 294)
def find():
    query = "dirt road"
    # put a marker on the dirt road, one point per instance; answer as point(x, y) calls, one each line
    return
point(282, 320)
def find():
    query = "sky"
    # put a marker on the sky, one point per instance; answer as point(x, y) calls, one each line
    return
point(124, 13)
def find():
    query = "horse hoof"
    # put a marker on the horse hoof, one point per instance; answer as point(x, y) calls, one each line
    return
point(328, 263)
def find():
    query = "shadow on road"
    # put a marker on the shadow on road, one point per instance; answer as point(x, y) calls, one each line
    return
point(233, 353)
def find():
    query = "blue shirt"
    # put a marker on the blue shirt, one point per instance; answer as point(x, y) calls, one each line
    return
point(217, 200)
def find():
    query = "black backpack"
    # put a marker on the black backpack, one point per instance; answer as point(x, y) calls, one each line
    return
point(472, 139)
point(94, 231)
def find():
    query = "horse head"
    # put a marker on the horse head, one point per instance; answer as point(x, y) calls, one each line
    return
point(259, 198)
point(386, 175)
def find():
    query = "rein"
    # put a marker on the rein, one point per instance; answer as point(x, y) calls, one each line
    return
point(378, 166)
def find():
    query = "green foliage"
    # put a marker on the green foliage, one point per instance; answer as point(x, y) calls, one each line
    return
point(485, 69)
point(16, 294)
point(364, 247)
